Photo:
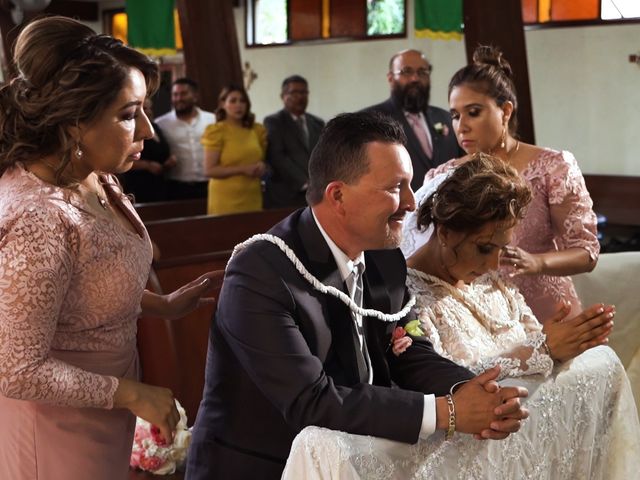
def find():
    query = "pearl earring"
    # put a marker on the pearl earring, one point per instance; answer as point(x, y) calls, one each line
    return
point(503, 141)
point(79, 152)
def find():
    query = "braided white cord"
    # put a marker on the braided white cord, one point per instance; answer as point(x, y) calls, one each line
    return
point(318, 285)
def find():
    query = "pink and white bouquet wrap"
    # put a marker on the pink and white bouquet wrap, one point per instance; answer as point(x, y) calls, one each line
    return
point(151, 452)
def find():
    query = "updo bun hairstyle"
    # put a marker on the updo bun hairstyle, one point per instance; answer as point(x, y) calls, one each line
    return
point(67, 75)
point(492, 75)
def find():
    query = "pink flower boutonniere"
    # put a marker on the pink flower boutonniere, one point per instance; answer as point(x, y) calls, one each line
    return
point(441, 128)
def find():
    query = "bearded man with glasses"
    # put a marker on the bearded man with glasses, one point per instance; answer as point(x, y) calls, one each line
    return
point(430, 137)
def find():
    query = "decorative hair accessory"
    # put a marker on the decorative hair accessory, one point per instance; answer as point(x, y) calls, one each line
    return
point(412, 237)
point(150, 451)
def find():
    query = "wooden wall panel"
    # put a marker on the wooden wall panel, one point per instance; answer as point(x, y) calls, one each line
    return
point(348, 18)
point(308, 19)
point(211, 53)
point(499, 23)
point(529, 11)
point(575, 10)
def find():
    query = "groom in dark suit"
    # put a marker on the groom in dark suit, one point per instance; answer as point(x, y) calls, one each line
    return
point(284, 355)
point(431, 140)
point(291, 133)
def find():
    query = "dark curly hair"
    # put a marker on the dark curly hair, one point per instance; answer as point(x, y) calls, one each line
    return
point(481, 190)
point(490, 74)
point(67, 75)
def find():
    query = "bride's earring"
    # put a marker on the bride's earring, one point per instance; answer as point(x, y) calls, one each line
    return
point(78, 152)
point(503, 139)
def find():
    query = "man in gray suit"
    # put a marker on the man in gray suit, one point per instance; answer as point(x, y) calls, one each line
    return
point(430, 137)
point(292, 134)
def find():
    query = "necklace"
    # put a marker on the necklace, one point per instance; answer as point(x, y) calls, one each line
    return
point(102, 201)
point(514, 150)
point(467, 298)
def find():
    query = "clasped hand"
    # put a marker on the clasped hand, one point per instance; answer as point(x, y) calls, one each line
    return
point(487, 410)
point(567, 339)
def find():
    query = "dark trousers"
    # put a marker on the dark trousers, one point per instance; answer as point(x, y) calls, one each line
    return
point(177, 190)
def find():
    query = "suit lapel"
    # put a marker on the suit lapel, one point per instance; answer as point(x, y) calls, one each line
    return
point(322, 265)
point(413, 144)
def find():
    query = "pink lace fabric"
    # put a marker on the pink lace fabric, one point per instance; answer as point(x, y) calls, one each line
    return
point(559, 217)
point(71, 284)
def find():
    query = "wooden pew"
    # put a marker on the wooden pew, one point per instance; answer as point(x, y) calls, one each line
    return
point(173, 353)
point(174, 209)
point(616, 197)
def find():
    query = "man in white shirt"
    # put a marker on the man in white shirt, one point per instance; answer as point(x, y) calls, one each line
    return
point(286, 352)
point(183, 128)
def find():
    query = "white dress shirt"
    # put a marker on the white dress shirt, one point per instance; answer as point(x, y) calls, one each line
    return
point(184, 141)
point(345, 267)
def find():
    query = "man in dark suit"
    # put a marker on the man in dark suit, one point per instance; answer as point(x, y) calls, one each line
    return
point(283, 355)
point(431, 140)
point(292, 133)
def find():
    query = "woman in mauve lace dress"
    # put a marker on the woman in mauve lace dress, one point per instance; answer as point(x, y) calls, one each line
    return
point(74, 258)
point(583, 423)
point(557, 236)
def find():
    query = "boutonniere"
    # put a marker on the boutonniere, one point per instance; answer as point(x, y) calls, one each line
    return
point(401, 337)
point(441, 128)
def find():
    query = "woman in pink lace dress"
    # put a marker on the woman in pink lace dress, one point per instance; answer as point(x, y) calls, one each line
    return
point(74, 258)
point(557, 237)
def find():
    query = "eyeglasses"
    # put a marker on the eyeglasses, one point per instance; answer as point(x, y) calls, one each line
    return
point(410, 72)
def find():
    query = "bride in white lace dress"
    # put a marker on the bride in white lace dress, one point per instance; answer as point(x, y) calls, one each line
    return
point(583, 423)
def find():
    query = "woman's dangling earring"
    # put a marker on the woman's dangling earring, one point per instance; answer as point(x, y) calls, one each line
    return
point(503, 140)
point(78, 152)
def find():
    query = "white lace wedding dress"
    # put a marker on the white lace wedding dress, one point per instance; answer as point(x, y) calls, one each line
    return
point(583, 423)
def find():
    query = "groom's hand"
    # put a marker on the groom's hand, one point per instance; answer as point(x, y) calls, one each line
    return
point(488, 411)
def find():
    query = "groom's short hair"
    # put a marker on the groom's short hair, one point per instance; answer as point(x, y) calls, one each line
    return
point(340, 153)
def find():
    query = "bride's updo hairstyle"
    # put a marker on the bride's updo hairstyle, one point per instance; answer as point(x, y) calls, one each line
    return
point(481, 190)
point(66, 75)
point(490, 74)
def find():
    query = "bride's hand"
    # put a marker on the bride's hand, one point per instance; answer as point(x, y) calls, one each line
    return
point(568, 339)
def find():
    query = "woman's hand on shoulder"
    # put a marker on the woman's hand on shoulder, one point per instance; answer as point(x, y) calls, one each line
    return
point(522, 262)
point(183, 300)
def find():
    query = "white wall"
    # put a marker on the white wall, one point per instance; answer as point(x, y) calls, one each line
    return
point(586, 95)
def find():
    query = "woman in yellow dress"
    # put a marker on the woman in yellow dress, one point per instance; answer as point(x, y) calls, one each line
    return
point(234, 151)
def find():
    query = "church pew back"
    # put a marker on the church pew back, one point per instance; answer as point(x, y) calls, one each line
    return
point(173, 352)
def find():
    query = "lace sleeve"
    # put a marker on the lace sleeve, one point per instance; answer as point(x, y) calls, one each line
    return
point(572, 217)
point(37, 255)
point(529, 357)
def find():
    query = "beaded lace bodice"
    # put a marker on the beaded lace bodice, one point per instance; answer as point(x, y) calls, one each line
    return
point(480, 325)
point(560, 216)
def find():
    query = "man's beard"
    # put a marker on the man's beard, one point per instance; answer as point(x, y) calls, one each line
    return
point(184, 109)
point(413, 97)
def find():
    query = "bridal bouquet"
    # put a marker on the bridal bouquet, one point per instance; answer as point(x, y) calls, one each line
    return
point(151, 452)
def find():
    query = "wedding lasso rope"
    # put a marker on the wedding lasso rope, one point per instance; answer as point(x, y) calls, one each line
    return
point(318, 285)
